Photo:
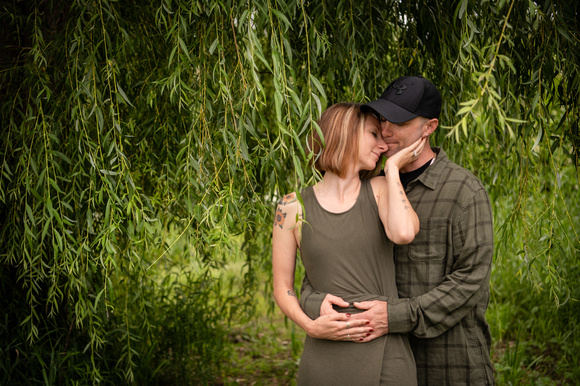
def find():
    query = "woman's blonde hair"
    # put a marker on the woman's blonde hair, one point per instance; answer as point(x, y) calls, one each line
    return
point(341, 125)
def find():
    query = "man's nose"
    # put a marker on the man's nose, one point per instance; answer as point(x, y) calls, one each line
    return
point(386, 129)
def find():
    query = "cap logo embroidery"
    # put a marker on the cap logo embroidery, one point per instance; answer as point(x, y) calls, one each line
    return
point(400, 89)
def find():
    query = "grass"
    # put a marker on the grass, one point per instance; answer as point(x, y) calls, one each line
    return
point(261, 353)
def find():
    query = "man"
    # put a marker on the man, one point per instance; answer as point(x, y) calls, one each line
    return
point(443, 275)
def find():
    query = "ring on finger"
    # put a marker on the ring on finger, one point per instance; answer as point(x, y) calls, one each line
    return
point(348, 337)
point(347, 324)
point(415, 154)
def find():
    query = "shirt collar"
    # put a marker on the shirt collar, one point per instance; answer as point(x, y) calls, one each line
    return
point(431, 176)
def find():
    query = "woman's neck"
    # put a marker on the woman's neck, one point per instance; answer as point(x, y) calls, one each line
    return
point(337, 194)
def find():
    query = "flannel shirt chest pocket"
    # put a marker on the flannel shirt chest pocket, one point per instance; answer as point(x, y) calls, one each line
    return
point(431, 242)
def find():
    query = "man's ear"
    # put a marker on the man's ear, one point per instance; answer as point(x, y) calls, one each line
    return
point(430, 126)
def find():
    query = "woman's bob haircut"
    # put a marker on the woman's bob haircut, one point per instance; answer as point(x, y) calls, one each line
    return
point(341, 125)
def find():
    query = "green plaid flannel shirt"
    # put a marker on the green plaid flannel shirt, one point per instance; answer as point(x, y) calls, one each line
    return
point(442, 278)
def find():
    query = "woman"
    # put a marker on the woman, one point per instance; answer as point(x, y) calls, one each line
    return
point(344, 232)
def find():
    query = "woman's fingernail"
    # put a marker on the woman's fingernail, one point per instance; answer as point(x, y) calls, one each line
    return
point(348, 315)
point(368, 322)
point(368, 333)
point(371, 330)
point(361, 339)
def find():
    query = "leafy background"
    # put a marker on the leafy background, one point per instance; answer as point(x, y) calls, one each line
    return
point(144, 145)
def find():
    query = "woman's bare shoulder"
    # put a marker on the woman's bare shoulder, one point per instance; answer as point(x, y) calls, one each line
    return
point(288, 199)
point(286, 211)
point(378, 183)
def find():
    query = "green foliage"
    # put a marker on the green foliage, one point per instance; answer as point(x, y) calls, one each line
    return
point(143, 145)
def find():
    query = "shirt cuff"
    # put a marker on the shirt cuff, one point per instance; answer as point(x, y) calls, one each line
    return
point(311, 306)
point(398, 312)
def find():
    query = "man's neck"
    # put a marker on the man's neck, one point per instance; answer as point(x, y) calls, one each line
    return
point(426, 155)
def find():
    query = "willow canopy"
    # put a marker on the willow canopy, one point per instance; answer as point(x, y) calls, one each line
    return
point(144, 145)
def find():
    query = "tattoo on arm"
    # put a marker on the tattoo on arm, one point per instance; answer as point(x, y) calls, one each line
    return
point(291, 293)
point(404, 201)
point(287, 199)
point(280, 214)
point(280, 218)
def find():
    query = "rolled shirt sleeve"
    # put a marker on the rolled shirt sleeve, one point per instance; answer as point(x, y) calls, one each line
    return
point(310, 300)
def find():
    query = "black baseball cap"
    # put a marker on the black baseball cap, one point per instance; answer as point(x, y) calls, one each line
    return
point(405, 98)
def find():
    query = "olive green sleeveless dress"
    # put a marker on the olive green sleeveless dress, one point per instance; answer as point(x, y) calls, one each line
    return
point(348, 255)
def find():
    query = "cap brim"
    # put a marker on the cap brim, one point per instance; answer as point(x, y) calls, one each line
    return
point(390, 111)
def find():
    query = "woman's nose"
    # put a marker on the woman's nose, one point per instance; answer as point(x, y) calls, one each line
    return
point(382, 145)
